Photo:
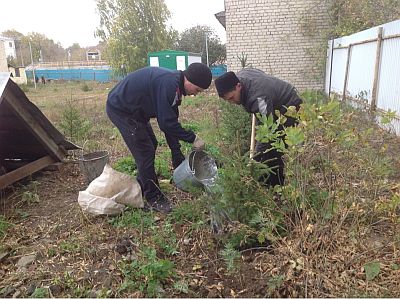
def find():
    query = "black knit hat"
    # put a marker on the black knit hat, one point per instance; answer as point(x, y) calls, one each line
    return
point(198, 74)
point(226, 83)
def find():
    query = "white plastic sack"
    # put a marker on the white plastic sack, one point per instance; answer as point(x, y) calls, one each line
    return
point(110, 192)
point(97, 205)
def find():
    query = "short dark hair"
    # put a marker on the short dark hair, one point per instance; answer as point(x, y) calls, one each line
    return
point(226, 83)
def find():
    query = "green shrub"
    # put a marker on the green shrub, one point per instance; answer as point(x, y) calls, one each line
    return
point(73, 124)
point(236, 128)
point(326, 154)
point(86, 88)
point(147, 273)
point(245, 200)
point(231, 258)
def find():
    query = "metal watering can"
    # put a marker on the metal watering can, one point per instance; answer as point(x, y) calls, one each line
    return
point(197, 170)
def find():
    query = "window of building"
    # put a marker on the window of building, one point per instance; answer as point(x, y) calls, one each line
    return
point(17, 73)
point(10, 44)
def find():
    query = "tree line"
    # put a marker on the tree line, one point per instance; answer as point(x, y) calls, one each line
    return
point(133, 28)
point(129, 29)
point(42, 48)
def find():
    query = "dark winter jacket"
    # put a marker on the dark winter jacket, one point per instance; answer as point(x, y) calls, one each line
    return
point(152, 92)
point(264, 94)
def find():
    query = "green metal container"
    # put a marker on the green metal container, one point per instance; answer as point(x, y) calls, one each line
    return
point(171, 59)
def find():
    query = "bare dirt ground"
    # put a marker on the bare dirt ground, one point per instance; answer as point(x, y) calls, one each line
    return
point(76, 254)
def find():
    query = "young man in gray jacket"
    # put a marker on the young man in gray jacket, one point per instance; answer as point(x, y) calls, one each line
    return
point(260, 93)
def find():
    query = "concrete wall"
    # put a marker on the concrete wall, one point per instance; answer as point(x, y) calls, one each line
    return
point(21, 79)
point(279, 37)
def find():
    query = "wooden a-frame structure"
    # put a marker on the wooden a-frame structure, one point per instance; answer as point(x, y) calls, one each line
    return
point(28, 140)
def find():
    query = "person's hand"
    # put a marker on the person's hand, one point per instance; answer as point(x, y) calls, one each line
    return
point(177, 159)
point(198, 144)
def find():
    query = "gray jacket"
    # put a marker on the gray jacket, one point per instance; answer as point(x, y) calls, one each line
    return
point(264, 94)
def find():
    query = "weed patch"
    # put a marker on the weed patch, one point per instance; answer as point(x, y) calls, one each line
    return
point(134, 218)
point(188, 211)
point(4, 225)
point(162, 164)
point(126, 165)
point(148, 273)
point(40, 293)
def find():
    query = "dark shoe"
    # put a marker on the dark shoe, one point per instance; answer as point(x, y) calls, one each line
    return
point(159, 204)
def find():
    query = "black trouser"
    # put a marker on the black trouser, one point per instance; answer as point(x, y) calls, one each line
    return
point(265, 153)
point(142, 143)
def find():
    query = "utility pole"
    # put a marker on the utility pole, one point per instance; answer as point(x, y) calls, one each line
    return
point(20, 52)
point(206, 47)
point(33, 66)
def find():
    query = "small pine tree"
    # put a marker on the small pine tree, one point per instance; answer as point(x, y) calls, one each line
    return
point(73, 125)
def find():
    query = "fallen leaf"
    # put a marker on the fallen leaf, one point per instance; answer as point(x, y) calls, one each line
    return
point(197, 267)
point(372, 270)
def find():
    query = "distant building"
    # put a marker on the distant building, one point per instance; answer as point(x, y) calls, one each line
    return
point(172, 59)
point(3, 59)
point(9, 46)
point(93, 54)
point(18, 74)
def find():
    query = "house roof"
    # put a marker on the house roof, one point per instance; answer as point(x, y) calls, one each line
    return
point(172, 52)
point(4, 38)
point(221, 17)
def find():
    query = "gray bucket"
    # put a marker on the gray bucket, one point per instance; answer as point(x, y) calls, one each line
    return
point(197, 170)
point(92, 164)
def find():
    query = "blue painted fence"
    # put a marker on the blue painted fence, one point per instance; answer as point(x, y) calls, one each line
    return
point(218, 70)
point(100, 75)
point(74, 74)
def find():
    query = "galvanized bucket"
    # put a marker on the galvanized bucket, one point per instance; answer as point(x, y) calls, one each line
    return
point(197, 170)
point(92, 164)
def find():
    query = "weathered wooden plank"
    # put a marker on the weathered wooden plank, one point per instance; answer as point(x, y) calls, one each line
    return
point(20, 144)
point(5, 109)
point(24, 171)
point(376, 70)
point(11, 123)
point(346, 75)
point(12, 151)
point(35, 128)
point(24, 137)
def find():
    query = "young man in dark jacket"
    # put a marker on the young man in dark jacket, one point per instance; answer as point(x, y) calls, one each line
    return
point(260, 93)
point(155, 92)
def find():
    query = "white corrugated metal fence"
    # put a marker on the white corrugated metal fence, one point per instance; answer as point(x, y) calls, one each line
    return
point(366, 68)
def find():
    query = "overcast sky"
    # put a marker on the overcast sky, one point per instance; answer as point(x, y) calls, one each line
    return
point(74, 21)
